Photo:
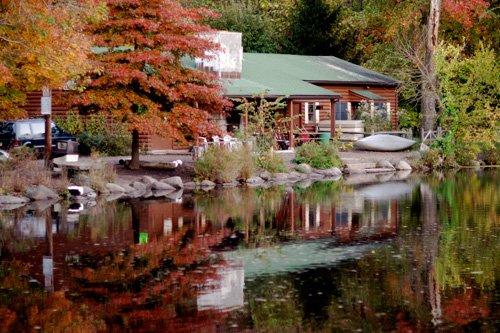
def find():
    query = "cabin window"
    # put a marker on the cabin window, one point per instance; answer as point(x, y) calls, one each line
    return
point(381, 109)
point(341, 111)
point(312, 112)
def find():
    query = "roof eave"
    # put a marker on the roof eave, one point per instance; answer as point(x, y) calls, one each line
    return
point(355, 83)
point(288, 97)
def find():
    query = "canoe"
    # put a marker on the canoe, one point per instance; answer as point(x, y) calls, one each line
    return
point(384, 142)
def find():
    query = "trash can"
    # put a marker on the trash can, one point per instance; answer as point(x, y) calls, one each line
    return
point(324, 137)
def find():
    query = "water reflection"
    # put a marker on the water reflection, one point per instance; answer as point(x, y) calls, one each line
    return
point(364, 254)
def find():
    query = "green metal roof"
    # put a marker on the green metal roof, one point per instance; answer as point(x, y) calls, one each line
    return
point(295, 75)
point(368, 95)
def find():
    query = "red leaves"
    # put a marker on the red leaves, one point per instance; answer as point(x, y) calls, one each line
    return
point(146, 41)
point(465, 11)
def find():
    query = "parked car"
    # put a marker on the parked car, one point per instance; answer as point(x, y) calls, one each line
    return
point(31, 133)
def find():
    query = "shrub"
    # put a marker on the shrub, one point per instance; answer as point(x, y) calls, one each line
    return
point(465, 154)
point(247, 162)
point(95, 133)
point(318, 155)
point(221, 165)
point(431, 159)
point(492, 156)
point(271, 162)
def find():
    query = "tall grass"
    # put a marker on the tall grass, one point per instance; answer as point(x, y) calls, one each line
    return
point(23, 170)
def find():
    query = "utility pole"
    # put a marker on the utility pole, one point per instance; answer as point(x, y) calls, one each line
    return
point(46, 109)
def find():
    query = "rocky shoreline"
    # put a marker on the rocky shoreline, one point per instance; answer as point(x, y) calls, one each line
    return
point(173, 188)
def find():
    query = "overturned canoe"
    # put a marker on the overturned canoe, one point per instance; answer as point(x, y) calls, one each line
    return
point(384, 142)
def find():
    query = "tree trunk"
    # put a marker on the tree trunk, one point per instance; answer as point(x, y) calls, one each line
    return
point(430, 83)
point(134, 162)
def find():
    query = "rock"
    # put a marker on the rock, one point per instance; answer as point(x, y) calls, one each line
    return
point(315, 176)
point(424, 147)
point(40, 192)
point(11, 206)
point(82, 180)
point(158, 194)
point(304, 183)
point(176, 195)
point(147, 194)
point(384, 164)
point(332, 172)
point(128, 189)
point(114, 196)
point(296, 175)
point(190, 185)
point(114, 188)
point(234, 183)
point(148, 180)
point(138, 186)
point(304, 168)
point(89, 192)
point(160, 186)
point(12, 200)
point(280, 177)
point(207, 183)
point(255, 180)
point(266, 175)
point(351, 171)
point(403, 165)
point(174, 181)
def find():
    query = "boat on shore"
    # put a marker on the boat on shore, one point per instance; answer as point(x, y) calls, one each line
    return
point(384, 142)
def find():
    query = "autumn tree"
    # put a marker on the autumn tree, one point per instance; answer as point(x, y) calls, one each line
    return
point(42, 44)
point(141, 77)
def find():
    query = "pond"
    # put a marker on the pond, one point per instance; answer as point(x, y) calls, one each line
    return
point(414, 253)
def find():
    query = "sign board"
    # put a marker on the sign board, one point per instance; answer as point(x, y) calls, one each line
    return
point(46, 104)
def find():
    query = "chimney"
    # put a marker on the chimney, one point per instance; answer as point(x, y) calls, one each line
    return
point(227, 61)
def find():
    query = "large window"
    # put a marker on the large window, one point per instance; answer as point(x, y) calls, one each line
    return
point(341, 111)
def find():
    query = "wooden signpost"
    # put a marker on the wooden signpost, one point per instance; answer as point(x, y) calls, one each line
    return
point(46, 109)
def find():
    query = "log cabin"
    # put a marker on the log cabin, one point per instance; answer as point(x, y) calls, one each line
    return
point(323, 94)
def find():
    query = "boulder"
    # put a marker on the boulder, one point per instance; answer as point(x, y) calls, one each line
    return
point(161, 186)
point(304, 168)
point(403, 165)
point(255, 180)
point(280, 177)
point(296, 175)
point(174, 181)
point(40, 192)
point(148, 180)
point(114, 196)
point(138, 186)
point(190, 185)
point(384, 164)
point(89, 192)
point(207, 183)
point(114, 188)
point(332, 172)
point(175, 196)
point(128, 188)
point(424, 147)
point(266, 175)
point(12, 200)
point(315, 176)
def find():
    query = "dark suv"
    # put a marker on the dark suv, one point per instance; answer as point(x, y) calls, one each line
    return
point(31, 133)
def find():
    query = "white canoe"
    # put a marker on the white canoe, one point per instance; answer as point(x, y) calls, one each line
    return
point(384, 142)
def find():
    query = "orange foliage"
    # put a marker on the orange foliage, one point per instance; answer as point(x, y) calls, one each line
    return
point(42, 43)
point(465, 11)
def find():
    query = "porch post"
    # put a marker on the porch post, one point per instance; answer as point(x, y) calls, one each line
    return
point(292, 123)
point(332, 118)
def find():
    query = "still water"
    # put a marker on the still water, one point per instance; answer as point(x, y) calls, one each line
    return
point(368, 254)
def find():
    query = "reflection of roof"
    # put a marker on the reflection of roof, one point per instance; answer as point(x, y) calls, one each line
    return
point(368, 95)
point(296, 75)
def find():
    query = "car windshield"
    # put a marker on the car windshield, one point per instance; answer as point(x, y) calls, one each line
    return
point(32, 130)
